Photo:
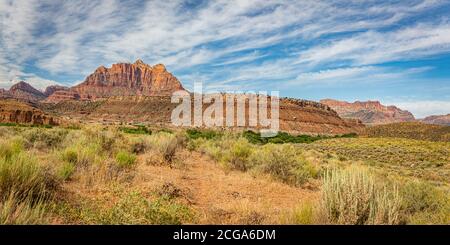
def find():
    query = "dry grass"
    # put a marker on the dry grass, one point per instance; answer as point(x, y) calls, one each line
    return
point(100, 175)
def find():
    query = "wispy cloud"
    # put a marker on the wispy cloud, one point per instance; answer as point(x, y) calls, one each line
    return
point(231, 43)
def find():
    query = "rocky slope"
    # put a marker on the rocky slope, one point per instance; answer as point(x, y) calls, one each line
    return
point(369, 112)
point(296, 116)
point(14, 111)
point(437, 119)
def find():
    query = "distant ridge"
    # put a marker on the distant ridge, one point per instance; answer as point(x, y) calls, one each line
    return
point(369, 112)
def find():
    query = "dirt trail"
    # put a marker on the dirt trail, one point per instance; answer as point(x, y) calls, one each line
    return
point(224, 197)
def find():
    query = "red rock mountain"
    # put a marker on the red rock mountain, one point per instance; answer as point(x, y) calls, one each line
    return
point(437, 119)
point(23, 91)
point(125, 79)
point(369, 112)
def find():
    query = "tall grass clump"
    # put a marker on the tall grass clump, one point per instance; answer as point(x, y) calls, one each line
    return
point(125, 159)
point(350, 196)
point(14, 211)
point(22, 176)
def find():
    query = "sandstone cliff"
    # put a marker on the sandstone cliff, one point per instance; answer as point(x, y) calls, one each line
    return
point(14, 111)
point(125, 79)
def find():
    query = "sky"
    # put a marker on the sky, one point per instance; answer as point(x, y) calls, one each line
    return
point(397, 52)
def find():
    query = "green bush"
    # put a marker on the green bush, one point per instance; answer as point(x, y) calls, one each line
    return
point(135, 130)
point(351, 196)
point(125, 159)
point(283, 138)
point(205, 134)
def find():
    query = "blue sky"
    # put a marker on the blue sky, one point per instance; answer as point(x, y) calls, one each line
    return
point(397, 52)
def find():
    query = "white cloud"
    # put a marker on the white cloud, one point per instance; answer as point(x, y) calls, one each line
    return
point(425, 108)
point(361, 74)
point(78, 36)
point(372, 47)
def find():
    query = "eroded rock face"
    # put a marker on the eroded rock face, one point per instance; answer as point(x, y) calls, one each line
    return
point(437, 119)
point(13, 111)
point(369, 112)
point(125, 79)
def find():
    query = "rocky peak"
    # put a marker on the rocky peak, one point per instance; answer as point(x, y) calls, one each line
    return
point(26, 92)
point(125, 79)
point(25, 87)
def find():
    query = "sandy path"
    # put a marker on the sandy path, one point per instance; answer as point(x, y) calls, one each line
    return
point(220, 196)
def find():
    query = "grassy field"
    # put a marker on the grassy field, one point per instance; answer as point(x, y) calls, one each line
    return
point(133, 175)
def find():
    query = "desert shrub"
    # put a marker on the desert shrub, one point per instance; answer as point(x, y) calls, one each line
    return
point(138, 146)
point(165, 144)
point(208, 147)
point(14, 211)
point(284, 163)
point(136, 130)
point(22, 176)
point(134, 208)
point(350, 196)
point(205, 134)
point(125, 159)
point(44, 138)
point(237, 156)
point(425, 204)
point(106, 139)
